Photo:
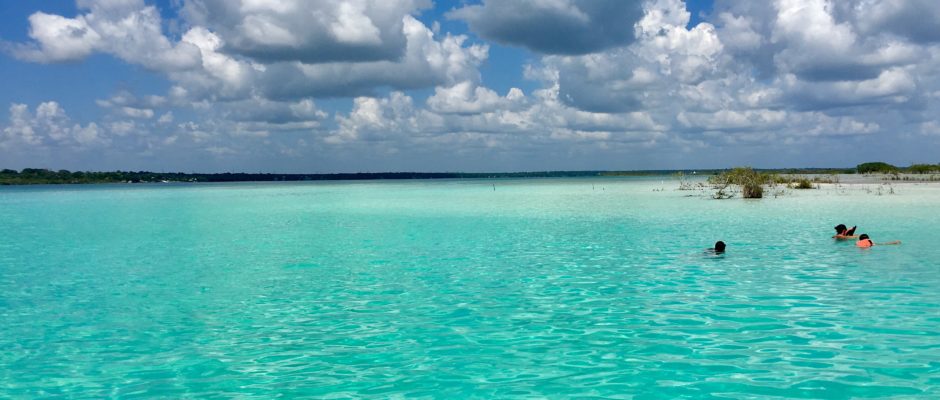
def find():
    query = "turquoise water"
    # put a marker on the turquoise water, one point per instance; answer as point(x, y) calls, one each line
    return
point(540, 288)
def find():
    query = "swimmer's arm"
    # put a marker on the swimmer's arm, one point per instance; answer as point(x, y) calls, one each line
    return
point(891, 242)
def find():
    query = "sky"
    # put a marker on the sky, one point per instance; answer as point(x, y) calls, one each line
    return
point(297, 86)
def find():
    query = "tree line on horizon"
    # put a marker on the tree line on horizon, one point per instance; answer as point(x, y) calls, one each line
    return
point(885, 168)
point(28, 176)
point(45, 176)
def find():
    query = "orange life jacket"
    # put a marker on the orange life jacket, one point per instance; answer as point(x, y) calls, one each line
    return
point(864, 243)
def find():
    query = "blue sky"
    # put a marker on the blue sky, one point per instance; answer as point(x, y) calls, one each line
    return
point(417, 85)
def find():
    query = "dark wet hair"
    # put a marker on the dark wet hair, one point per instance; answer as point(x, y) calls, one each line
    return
point(719, 247)
point(863, 236)
point(841, 228)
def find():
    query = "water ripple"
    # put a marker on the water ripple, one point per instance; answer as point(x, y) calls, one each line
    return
point(546, 290)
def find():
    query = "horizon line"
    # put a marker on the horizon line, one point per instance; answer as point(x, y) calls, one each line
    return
point(437, 172)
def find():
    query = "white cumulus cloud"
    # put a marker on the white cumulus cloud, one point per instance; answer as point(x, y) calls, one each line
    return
point(48, 125)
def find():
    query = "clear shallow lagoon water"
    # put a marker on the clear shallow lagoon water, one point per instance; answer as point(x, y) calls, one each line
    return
point(542, 288)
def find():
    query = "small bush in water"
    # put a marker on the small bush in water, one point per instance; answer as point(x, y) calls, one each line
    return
point(751, 182)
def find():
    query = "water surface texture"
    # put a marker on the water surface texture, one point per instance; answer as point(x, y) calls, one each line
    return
point(542, 288)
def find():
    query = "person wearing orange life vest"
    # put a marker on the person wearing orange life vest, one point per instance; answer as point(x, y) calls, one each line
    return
point(865, 242)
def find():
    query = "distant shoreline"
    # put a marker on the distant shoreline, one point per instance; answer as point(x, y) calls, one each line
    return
point(32, 176)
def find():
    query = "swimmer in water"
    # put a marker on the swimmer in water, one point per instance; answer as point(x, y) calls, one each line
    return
point(864, 242)
point(719, 248)
point(843, 233)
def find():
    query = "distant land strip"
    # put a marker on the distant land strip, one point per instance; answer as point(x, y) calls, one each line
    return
point(32, 176)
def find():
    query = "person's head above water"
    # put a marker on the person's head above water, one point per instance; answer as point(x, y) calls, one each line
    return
point(719, 247)
point(842, 232)
point(864, 241)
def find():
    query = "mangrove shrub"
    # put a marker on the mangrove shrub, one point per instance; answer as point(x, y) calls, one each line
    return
point(876, 168)
point(750, 181)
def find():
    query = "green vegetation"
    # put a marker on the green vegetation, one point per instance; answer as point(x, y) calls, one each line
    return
point(876, 168)
point(752, 191)
point(885, 168)
point(795, 181)
point(803, 183)
point(750, 181)
point(30, 176)
point(923, 169)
